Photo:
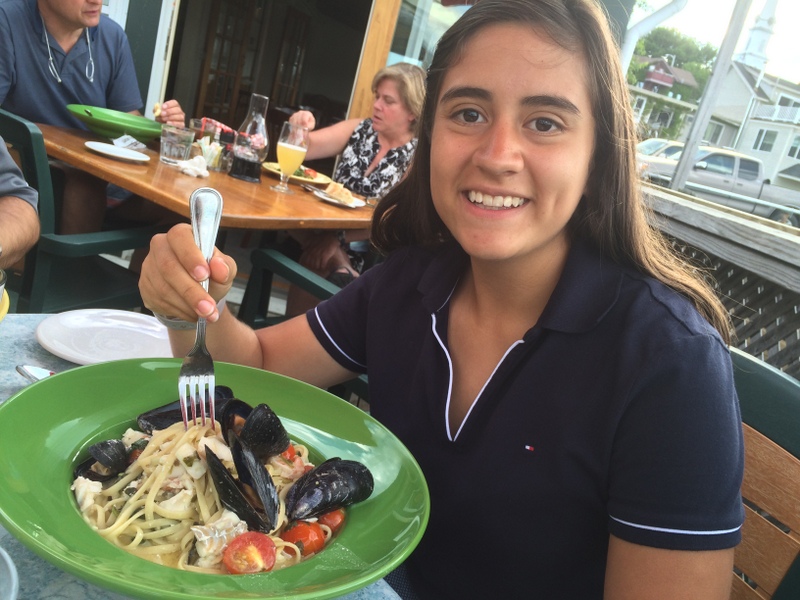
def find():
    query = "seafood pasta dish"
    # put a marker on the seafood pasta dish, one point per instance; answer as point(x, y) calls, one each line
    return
point(232, 496)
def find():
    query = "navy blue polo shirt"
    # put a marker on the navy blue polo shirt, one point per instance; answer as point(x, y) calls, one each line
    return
point(28, 89)
point(615, 414)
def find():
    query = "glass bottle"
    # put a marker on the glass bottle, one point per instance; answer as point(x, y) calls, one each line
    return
point(251, 144)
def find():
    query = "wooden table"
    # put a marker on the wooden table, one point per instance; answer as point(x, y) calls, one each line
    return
point(246, 205)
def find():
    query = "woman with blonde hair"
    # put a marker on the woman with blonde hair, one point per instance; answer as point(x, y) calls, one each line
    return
point(375, 153)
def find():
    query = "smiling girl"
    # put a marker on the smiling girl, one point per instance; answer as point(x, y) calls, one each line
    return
point(561, 377)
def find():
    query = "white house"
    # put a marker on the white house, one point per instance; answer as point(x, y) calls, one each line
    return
point(759, 114)
point(754, 112)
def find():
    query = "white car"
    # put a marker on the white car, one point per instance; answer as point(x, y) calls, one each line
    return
point(658, 147)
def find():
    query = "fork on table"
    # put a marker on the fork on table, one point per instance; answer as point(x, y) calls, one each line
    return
point(196, 378)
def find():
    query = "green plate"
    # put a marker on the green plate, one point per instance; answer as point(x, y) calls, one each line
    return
point(45, 428)
point(113, 123)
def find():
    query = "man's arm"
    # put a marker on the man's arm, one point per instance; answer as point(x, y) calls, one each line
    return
point(170, 112)
point(19, 229)
point(19, 221)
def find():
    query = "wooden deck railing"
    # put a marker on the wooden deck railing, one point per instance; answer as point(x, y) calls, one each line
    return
point(755, 265)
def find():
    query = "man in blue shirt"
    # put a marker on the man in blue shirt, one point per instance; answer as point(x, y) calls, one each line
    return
point(59, 52)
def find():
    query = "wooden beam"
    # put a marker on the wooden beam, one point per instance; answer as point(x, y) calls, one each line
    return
point(375, 53)
point(758, 245)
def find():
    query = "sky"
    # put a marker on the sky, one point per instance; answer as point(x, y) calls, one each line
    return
point(707, 21)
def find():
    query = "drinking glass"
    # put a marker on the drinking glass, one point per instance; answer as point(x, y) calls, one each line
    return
point(291, 150)
point(176, 144)
point(202, 127)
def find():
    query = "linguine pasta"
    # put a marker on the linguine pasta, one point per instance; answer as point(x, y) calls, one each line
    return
point(165, 507)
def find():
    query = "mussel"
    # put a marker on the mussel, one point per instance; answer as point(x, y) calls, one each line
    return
point(254, 497)
point(164, 416)
point(107, 459)
point(259, 428)
point(333, 484)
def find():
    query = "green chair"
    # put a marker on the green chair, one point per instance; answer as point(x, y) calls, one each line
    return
point(265, 264)
point(66, 272)
point(767, 562)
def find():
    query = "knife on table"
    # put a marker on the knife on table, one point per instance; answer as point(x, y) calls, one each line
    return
point(32, 373)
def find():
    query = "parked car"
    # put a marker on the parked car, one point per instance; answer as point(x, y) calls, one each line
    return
point(730, 178)
point(658, 147)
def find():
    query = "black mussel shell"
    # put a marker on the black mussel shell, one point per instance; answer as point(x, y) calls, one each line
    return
point(112, 456)
point(335, 483)
point(164, 416)
point(233, 416)
point(254, 475)
point(230, 495)
point(260, 428)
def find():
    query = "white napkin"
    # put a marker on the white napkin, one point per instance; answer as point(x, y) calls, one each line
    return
point(128, 141)
point(196, 167)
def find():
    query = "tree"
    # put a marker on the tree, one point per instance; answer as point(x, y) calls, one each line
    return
point(664, 40)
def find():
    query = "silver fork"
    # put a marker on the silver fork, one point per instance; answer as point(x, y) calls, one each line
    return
point(196, 378)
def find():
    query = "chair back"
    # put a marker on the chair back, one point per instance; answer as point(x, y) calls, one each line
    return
point(766, 563)
point(27, 145)
point(265, 264)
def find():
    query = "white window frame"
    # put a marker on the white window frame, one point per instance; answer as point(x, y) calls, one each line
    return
point(794, 149)
point(117, 10)
point(714, 133)
point(765, 140)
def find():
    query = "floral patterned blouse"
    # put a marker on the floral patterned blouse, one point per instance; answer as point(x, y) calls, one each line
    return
point(358, 155)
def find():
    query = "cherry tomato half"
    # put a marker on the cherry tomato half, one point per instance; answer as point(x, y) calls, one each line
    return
point(250, 552)
point(333, 519)
point(289, 453)
point(309, 537)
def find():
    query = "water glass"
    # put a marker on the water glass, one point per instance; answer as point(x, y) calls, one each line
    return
point(176, 144)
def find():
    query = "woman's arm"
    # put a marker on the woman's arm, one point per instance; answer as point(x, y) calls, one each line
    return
point(328, 141)
point(634, 572)
point(169, 284)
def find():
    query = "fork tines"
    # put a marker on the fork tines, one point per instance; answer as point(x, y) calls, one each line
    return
point(197, 391)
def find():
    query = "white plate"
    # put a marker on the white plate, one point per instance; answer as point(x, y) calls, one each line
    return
point(9, 581)
point(275, 169)
point(328, 198)
point(113, 151)
point(92, 336)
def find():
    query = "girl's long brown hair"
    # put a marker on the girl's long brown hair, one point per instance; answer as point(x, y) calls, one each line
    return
point(611, 215)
